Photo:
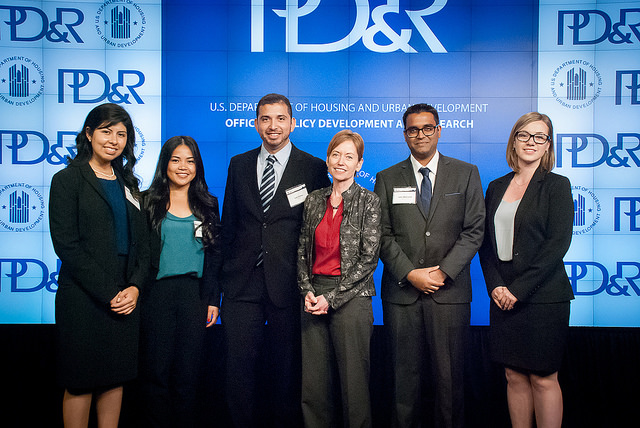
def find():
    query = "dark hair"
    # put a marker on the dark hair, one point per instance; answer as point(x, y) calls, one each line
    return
point(273, 99)
point(202, 203)
point(103, 116)
point(548, 160)
point(420, 108)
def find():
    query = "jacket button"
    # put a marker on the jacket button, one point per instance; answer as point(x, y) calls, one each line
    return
point(421, 261)
point(428, 233)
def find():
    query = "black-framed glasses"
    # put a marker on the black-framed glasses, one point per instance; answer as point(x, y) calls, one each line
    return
point(524, 136)
point(427, 131)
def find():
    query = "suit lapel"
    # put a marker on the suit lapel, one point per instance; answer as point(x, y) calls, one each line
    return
point(500, 189)
point(249, 179)
point(442, 175)
point(528, 199)
point(498, 192)
point(90, 177)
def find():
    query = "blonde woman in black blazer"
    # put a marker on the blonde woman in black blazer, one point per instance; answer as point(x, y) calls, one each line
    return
point(99, 233)
point(528, 231)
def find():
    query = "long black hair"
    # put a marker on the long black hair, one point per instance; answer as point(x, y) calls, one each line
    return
point(103, 116)
point(202, 203)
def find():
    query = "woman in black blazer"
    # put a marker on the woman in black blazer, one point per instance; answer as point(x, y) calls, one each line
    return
point(528, 231)
point(100, 236)
point(184, 297)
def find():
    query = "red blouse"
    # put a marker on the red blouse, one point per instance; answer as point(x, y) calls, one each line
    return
point(326, 260)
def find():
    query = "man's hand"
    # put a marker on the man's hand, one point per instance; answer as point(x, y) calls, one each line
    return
point(427, 280)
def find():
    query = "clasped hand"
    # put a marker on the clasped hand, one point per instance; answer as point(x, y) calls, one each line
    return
point(503, 298)
point(125, 301)
point(315, 305)
point(427, 280)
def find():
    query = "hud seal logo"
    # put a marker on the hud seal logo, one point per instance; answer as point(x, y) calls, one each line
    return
point(586, 210)
point(21, 207)
point(120, 23)
point(21, 81)
point(141, 144)
point(576, 84)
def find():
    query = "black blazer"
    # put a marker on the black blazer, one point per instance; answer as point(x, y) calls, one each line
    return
point(245, 229)
point(449, 235)
point(83, 235)
point(209, 283)
point(542, 235)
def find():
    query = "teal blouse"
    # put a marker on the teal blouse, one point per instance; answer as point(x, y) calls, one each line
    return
point(182, 253)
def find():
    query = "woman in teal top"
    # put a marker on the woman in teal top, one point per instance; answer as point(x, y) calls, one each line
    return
point(184, 299)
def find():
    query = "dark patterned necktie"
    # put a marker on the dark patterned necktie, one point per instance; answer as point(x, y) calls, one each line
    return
point(425, 190)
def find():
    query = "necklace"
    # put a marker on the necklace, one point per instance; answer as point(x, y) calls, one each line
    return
point(516, 181)
point(335, 207)
point(520, 184)
point(113, 174)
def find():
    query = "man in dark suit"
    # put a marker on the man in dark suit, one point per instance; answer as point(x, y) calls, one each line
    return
point(261, 217)
point(432, 226)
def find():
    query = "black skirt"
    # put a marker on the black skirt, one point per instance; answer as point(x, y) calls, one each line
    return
point(97, 348)
point(532, 336)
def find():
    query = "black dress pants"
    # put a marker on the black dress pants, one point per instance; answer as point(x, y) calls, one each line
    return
point(263, 361)
point(173, 328)
point(435, 332)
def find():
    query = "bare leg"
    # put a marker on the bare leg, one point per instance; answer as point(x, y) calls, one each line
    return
point(547, 399)
point(108, 405)
point(519, 398)
point(75, 410)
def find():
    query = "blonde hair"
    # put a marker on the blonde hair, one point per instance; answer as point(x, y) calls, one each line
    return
point(548, 159)
point(347, 135)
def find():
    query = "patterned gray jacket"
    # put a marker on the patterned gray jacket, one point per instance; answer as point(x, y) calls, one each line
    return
point(359, 243)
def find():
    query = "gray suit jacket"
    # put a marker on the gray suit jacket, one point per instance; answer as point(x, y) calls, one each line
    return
point(449, 235)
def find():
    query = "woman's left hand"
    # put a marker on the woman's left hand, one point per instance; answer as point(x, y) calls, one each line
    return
point(212, 315)
point(504, 298)
point(321, 306)
point(125, 301)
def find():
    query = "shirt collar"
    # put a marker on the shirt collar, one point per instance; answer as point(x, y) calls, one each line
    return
point(281, 157)
point(432, 165)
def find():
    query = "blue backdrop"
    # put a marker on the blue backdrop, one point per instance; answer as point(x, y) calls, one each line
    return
point(199, 67)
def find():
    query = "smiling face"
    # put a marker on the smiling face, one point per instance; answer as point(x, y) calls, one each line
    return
point(529, 153)
point(343, 162)
point(181, 169)
point(422, 148)
point(107, 143)
point(274, 124)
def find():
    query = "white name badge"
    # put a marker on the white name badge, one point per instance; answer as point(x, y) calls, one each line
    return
point(197, 230)
point(404, 195)
point(297, 194)
point(130, 198)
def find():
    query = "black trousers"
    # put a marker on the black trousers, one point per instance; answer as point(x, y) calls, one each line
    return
point(263, 362)
point(427, 330)
point(173, 328)
point(336, 364)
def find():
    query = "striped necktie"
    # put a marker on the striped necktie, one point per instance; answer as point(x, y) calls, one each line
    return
point(268, 184)
point(267, 190)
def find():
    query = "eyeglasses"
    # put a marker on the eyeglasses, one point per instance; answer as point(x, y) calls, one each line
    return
point(524, 137)
point(428, 131)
